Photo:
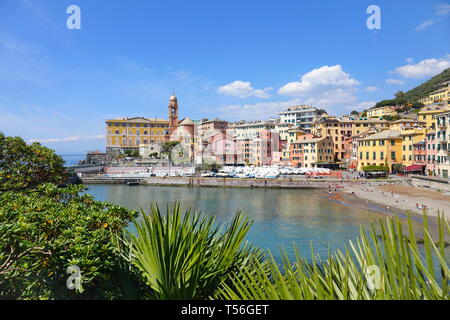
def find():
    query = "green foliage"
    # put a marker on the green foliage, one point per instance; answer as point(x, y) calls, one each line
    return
point(406, 271)
point(210, 166)
point(44, 231)
point(427, 87)
point(391, 118)
point(399, 94)
point(132, 153)
point(24, 166)
point(374, 168)
point(391, 102)
point(410, 98)
point(168, 146)
point(187, 256)
point(354, 113)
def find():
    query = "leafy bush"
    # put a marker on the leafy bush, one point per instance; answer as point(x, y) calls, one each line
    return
point(46, 230)
point(24, 166)
point(374, 168)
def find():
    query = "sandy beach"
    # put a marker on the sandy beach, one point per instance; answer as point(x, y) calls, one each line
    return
point(402, 197)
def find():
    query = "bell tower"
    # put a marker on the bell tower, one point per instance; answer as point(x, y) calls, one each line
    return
point(173, 112)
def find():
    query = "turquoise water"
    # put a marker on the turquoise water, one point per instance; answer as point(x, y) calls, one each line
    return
point(282, 217)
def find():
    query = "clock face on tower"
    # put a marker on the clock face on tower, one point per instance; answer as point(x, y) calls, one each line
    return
point(174, 111)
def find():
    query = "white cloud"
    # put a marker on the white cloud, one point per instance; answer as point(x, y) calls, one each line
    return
point(424, 25)
point(326, 87)
point(243, 89)
point(370, 89)
point(410, 60)
point(442, 9)
point(424, 68)
point(257, 111)
point(319, 80)
point(395, 81)
point(69, 139)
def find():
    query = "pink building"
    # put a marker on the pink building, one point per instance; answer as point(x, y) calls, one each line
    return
point(431, 153)
point(223, 148)
point(266, 149)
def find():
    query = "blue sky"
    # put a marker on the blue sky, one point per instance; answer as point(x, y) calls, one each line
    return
point(228, 59)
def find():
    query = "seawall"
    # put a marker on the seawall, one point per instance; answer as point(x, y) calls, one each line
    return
point(232, 182)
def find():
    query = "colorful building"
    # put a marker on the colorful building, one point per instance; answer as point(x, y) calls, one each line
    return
point(409, 138)
point(441, 95)
point(380, 149)
point(309, 151)
point(443, 144)
point(381, 112)
point(427, 114)
point(339, 129)
point(301, 116)
point(124, 134)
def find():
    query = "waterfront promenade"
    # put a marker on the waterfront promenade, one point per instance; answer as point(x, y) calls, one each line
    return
point(287, 183)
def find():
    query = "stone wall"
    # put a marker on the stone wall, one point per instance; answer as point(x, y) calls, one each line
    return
point(432, 183)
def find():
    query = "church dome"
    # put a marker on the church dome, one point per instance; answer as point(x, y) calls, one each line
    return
point(173, 98)
point(186, 122)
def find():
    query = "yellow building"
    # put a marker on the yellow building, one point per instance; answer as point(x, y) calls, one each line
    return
point(381, 112)
point(442, 95)
point(340, 129)
point(406, 124)
point(409, 138)
point(427, 114)
point(124, 134)
point(380, 149)
point(308, 152)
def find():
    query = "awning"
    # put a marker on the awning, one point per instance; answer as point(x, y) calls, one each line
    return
point(415, 167)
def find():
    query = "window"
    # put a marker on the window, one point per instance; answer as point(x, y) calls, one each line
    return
point(382, 155)
point(393, 155)
point(392, 142)
point(374, 156)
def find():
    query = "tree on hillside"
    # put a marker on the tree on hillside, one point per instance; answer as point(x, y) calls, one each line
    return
point(399, 94)
point(414, 95)
point(354, 113)
point(24, 166)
